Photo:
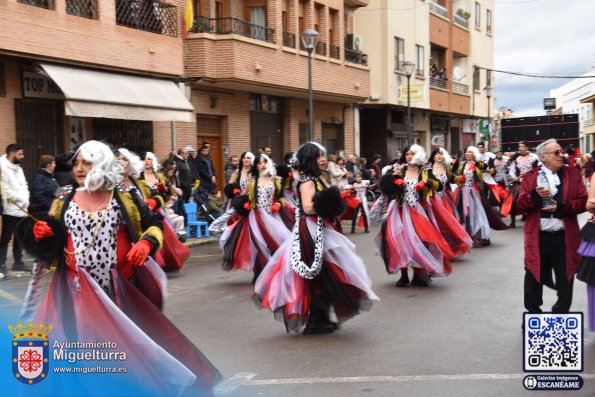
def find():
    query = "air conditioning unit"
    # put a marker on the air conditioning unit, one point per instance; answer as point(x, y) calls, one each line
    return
point(358, 43)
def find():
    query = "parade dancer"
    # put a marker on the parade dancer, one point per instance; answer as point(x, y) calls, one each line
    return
point(359, 188)
point(106, 287)
point(440, 205)
point(475, 213)
point(586, 272)
point(251, 240)
point(522, 162)
point(155, 193)
point(407, 237)
point(317, 270)
point(238, 185)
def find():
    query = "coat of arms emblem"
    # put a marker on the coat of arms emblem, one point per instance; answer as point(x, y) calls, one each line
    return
point(30, 351)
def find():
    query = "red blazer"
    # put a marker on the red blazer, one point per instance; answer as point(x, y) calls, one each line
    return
point(574, 199)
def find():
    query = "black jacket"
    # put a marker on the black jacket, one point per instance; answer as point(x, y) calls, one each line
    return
point(42, 191)
point(184, 173)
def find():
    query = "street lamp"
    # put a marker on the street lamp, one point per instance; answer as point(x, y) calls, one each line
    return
point(309, 40)
point(408, 67)
point(489, 90)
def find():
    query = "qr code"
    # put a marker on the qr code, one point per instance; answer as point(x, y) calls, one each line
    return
point(553, 342)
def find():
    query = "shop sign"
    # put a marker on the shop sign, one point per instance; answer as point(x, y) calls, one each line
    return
point(38, 85)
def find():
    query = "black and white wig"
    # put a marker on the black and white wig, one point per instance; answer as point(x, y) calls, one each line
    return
point(106, 171)
point(306, 160)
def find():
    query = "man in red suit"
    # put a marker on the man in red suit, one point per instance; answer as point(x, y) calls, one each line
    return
point(551, 233)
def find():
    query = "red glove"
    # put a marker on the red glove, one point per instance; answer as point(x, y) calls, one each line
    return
point(41, 229)
point(420, 185)
point(290, 175)
point(151, 203)
point(161, 188)
point(139, 252)
point(399, 182)
point(276, 207)
point(345, 194)
point(462, 178)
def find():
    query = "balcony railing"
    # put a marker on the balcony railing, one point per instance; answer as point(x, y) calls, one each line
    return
point(460, 88)
point(82, 8)
point(288, 39)
point(233, 26)
point(459, 20)
point(321, 48)
point(436, 82)
point(150, 16)
point(47, 4)
point(356, 57)
point(438, 9)
point(334, 51)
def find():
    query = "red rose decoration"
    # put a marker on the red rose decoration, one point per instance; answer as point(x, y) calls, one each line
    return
point(236, 191)
point(247, 206)
point(398, 182)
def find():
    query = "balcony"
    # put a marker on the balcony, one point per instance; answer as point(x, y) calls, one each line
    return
point(357, 57)
point(234, 26)
point(461, 21)
point(47, 4)
point(288, 40)
point(459, 88)
point(149, 16)
point(436, 82)
point(438, 9)
point(82, 8)
point(321, 48)
point(334, 51)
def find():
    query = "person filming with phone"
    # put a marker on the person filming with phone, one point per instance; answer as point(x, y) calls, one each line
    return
point(552, 195)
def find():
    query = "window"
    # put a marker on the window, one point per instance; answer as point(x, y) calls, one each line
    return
point(258, 19)
point(476, 79)
point(489, 21)
point(420, 61)
point(399, 53)
point(198, 10)
point(265, 103)
point(488, 78)
point(477, 15)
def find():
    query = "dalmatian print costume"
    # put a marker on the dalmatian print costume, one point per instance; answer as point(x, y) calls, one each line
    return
point(100, 256)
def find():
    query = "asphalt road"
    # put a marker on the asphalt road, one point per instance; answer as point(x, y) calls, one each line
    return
point(460, 336)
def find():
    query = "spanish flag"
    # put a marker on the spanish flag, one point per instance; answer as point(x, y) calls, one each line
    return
point(188, 20)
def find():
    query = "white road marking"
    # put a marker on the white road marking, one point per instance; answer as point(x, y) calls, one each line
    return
point(245, 379)
point(228, 385)
point(10, 297)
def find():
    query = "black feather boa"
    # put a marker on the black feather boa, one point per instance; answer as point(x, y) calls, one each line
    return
point(328, 203)
point(387, 185)
point(47, 249)
point(238, 205)
point(229, 190)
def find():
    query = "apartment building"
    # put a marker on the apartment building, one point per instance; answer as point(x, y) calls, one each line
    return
point(248, 74)
point(73, 70)
point(451, 45)
point(576, 96)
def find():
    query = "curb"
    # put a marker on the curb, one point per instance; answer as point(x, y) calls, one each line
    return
point(195, 242)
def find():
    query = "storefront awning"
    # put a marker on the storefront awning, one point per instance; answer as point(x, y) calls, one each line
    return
point(91, 93)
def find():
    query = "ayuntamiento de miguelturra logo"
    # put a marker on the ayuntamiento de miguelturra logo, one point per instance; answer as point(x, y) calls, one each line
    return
point(30, 351)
